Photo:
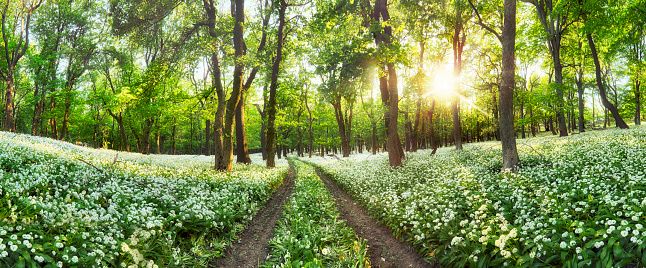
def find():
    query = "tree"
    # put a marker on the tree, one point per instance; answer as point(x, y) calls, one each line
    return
point(241, 136)
point(506, 98)
point(275, 69)
point(596, 17)
point(556, 18)
point(16, 19)
point(341, 63)
point(378, 22)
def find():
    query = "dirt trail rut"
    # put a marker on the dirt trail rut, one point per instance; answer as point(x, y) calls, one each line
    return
point(385, 250)
point(251, 248)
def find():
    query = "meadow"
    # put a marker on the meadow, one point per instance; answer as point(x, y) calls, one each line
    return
point(574, 202)
point(62, 205)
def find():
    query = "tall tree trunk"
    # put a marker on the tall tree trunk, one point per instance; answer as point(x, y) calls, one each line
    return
point(458, 44)
point(388, 84)
point(208, 137)
point(234, 98)
point(309, 119)
point(20, 23)
point(415, 135)
point(157, 150)
point(431, 125)
point(271, 128)
point(173, 138)
point(558, 79)
point(263, 130)
point(602, 91)
point(9, 109)
point(241, 133)
point(550, 122)
point(374, 138)
point(338, 113)
point(507, 135)
point(145, 137)
point(408, 128)
point(395, 151)
point(580, 92)
point(638, 103)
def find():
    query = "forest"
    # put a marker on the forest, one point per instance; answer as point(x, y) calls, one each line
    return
point(178, 77)
point(479, 133)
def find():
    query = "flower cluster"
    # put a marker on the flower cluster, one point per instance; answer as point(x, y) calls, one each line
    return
point(573, 201)
point(65, 205)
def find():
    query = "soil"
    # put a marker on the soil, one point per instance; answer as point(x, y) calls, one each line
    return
point(251, 248)
point(385, 250)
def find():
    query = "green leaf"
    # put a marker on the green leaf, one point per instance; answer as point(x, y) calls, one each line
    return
point(20, 263)
point(25, 254)
point(617, 251)
point(624, 262)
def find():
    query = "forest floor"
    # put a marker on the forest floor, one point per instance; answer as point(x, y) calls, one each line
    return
point(385, 250)
point(251, 249)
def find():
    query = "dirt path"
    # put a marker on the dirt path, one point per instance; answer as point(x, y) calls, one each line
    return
point(385, 250)
point(251, 249)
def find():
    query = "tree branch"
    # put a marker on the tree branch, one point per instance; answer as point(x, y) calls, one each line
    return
point(481, 23)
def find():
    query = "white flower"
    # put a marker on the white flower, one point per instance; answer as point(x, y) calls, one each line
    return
point(75, 259)
point(563, 244)
point(456, 240)
point(624, 233)
point(13, 247)
point(578, 250)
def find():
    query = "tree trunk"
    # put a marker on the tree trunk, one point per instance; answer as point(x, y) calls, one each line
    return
point(241, 134)
point(158, 151)
point(263, 131)
point(309, 118)
point(550, 122)
point(271, 128)
point(208, 137)
point(408, 128)
point(431, 131)
point(145, 137)
point(580, 92)
point(8, 111)
point(507, 135)
point(338, 114)
point(638, 103)
point(395, 151)
point(602, 91)
point(68, 103)
point(173, 138)
point(415, 134)
point(234, 98)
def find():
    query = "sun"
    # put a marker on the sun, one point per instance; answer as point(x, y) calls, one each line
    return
point(442, 84)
